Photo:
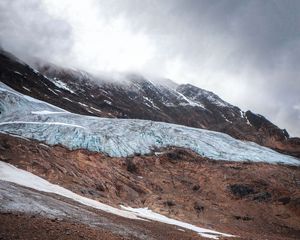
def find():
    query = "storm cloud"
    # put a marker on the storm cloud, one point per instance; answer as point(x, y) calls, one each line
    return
point(247, 52)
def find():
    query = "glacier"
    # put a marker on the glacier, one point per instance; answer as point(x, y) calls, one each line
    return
point(34, 119)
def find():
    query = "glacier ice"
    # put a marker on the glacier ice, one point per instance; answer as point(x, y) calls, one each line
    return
point(30, 118)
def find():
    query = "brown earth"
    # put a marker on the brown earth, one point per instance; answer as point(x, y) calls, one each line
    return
point(95, 224)
point(34, 212)
point(20, 226)
point(253, 200)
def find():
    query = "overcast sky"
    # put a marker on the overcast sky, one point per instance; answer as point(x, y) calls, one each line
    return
point(247, 52)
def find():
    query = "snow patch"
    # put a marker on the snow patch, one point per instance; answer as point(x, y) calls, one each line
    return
point(18, 73)
point(248, 121)
point(27, 89)
point(52, 91)
point(60, 84)
point(68, 99)
point(98, 110)
point(148, 214)
point(16, 136)
point(82, 104)
point(242, 114)
point(108, 102)
point(189, 102)
point(35, 71)
point(44, 145)
point(226, 118)
point(151, 102)
point(12, 174)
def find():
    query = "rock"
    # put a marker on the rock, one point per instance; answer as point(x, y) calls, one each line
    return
point(173, 155)
point(241, 190)
point(295, 203)
point(198, 207)
point(131, 167)
point(100, 187)
point(169, 203)
point(92, 192)
point(196, 187)
point(284, 200)
point(243, 218)
point(262, 197)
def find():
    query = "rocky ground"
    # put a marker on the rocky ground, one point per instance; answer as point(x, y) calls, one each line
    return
point(22, 226)
point(250, 200)
point(29, 214)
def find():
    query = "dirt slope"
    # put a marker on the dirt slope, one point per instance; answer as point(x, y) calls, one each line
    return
point(29, 214)
point(252, 200)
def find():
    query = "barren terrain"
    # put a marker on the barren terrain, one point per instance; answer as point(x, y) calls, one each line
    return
point(249, 200)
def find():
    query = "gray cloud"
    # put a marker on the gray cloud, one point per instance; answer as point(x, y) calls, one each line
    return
point(248, 52)
point(27, 30)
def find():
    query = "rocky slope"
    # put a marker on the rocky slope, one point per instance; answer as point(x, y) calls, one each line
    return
point(141, 98)
point(29, 214)
point(249, 200)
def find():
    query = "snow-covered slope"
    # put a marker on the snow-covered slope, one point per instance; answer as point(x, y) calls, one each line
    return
point(34, 119)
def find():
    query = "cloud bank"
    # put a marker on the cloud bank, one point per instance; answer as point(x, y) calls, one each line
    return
point(248, 52)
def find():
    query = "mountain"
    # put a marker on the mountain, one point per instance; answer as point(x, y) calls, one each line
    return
point(125, 157)
point(111, 174)
point(137, 97)
point(27, 117)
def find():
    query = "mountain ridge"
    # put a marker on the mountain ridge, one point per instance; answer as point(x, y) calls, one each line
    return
point(140, 98)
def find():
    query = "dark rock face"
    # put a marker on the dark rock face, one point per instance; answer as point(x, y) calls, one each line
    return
point(131, 167)
point(243, 218)
point(141, 98)
point(198, 207)
point(240, 190)
point(284, 200)
point(261, 123)
point(169, 203)
point(254, 193)
point(262, 197)
point(196, 187)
